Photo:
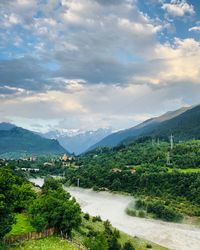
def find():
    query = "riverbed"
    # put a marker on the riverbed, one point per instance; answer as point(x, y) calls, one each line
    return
point(112, 207)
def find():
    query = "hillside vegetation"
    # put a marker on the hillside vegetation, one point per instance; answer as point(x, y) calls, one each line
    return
point(19, 142)
point(146, 169)
point(27, 214)
point(184, 124)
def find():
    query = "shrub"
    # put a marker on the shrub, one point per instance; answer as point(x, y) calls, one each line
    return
point(164, 212)
point(92, 233)
point(99, 242)
point(86, 216)
point(141, 214)
point(131, 212)
point(96, 218)
point(140, 204)
point(148, 245)
point(116, 233)
point(95, 188)
point(128, 246)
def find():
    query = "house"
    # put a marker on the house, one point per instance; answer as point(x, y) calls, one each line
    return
point(133, 171)
point(48, 164)
point(29, 169)
point(64, 158)
point(116, 170)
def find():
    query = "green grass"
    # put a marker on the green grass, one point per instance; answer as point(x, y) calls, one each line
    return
point(50, 243)
point(22, 225)
point(56, 243)
point(187, 170)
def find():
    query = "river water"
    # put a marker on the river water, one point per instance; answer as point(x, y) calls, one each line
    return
point(112, 207)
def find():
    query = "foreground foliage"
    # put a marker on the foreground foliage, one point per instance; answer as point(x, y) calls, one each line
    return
point(51, 243)
point(15, 195)
point(54, 208)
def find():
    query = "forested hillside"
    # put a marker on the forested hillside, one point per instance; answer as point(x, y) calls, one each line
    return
point(145, 167)
point(17, 141)
point(184, 124)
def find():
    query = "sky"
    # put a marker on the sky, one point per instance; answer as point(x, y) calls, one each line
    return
point(89, 64)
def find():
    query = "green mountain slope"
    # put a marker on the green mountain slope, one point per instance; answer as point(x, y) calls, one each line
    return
point(183, 127)
point(183, 123)
point(20, 141)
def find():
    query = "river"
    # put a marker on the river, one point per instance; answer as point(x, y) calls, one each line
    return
point(112, 207)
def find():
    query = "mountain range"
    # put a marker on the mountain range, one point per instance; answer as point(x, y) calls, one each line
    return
point(79, 142)
point(183, 123)
point(16, 142)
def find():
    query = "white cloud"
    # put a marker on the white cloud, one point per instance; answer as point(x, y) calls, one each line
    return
point(173, 64)
point(107, 67)
point(178, 8)
point(95, 106)
point(195, 28)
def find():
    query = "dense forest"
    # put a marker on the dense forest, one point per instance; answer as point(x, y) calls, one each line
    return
point(145, 167)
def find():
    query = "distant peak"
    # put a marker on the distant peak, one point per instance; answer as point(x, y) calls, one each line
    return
point(6, 126)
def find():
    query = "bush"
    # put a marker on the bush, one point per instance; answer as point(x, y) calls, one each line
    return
point(96, 218)
point(164, 212)
point(92, 233)
point(131, 212)
point(86, 216)
point(128, 246)
point(148, 245)
point(96, 243)
point(95, 188)
point(140, 204)
point(141, 214)
point(116, 233)
point(113, 244)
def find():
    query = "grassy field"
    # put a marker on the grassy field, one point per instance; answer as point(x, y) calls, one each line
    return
point(22, 225)
point(187, 170)
point(51, 243)
point(56, 243)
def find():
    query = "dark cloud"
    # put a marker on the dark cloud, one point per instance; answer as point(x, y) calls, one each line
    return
point(110, 2)
point(22, 73)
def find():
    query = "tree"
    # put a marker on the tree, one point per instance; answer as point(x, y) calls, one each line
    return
point(6, 217)
point(128, 246)
point(86, 216)
point(7, 198)
point(51, 184)
point(24, 196)
point(114, 244)
point(54, 209)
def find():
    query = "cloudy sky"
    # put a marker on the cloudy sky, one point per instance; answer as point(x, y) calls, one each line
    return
point(85, 64)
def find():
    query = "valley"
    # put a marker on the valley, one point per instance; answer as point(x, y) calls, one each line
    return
point(147, 187)
point(99, 125)
point(112, 207)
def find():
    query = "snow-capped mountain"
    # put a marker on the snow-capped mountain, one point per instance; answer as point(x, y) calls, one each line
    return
point(77, 141)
